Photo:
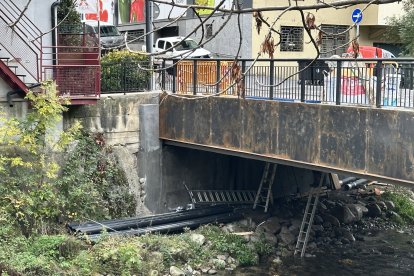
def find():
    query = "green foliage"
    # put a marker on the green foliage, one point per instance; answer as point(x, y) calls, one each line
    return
point(404, 205)
point(91, 184)
point(121, 71)
point(234, 245)
point(63, 255)
point(27, 165)
point(67, 9)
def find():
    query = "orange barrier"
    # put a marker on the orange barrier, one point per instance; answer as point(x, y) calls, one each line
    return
point(206, 76)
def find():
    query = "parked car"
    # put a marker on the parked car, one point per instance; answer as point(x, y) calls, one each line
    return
point(177, 47)
point(111, 38)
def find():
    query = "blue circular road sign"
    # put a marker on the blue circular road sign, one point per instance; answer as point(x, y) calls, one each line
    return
point(356, 16)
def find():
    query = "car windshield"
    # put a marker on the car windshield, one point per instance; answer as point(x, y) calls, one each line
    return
point(185, 45)
point(108, 31)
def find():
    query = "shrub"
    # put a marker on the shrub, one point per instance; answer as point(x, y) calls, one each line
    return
point(121, 71)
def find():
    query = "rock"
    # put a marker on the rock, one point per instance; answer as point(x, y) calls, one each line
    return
point(205, 269)
point(212, 271)
point(348, 235)
point(357, 210)
point(248, 223)
point(197, 239)
point(330, 204)
point(277, 261)
point(343, 214)
point(317, 228)
point(359, 238)
point(272, 225)
point(286, 236)
point(272, 239)
point(153, 273)
point(374, 210)
point(318, 220)
point(231, 260)
point(390, 205)
point(345, 241)
point(295, 225)
point(382, 205)
point(394, 216)
point(232, 228)
point(175, 271)
point(219, 263)
point(327, 225)
point(323, 206)
point(332, 220)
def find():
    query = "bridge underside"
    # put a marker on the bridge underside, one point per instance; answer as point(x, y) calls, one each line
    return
point(368, 142)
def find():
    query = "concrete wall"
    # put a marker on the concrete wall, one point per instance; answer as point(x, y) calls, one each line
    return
point(203, 170)
point(368, 142)
point(117, 117)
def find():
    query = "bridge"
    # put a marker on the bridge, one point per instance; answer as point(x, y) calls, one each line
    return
point(344, 116)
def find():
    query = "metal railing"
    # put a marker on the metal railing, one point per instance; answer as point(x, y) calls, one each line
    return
point(368, 82)
point(125, 77)
point(24, 41)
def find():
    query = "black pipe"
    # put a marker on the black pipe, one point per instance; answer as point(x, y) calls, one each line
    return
point(130, 223)
point(173, 227)
point(9, 96)
point(52, 9)
point(347, 180)
point(355, 184)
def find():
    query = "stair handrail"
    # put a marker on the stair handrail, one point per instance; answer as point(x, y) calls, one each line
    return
point(24, 25)
point(29, 35)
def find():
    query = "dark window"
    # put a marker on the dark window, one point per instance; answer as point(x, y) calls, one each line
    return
point(168, 45)
point(135, 36)
point(161, 44)
point(334, 40)
point(209, 31)
point(292, 39)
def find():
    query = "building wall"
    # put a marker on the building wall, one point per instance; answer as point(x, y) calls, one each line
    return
point(372, 17)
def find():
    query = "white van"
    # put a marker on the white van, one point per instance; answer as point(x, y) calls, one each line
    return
point(111, 38)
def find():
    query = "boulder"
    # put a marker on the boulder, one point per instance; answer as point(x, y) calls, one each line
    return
point(382, 205)
point(390, 205)
point(197, 239)
point(175, 271)
point(357, 210)
point(374, 210)
point(343, 214)
point(318, 220)
point(270, 238)
point(331, 219)
point(272, 225)
point(286, 236)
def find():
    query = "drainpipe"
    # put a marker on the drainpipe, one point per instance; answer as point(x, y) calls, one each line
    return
point(9, 96)
point(53, 10)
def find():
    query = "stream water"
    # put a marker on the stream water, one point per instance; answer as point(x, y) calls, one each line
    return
point(388, 252)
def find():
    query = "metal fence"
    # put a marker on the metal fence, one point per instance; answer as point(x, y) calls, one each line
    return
point(125, 77)
point(370, 82)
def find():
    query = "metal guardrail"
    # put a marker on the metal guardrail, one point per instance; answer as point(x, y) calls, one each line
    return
point(367, 82)
point(125, 77)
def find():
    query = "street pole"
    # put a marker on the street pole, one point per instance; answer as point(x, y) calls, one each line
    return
point(149, 40)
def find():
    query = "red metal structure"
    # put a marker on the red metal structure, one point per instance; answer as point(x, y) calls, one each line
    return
point(74, 63)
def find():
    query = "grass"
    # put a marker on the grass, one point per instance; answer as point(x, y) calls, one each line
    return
point(404, 205)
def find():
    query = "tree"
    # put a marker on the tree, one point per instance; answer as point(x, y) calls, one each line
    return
point(402, 28)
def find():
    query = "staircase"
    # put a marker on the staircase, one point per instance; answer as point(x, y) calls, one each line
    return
point(21, 45)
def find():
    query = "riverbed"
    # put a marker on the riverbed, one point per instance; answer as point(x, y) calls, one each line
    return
point(382, 252)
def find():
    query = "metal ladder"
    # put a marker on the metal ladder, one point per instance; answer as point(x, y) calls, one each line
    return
point(308, 217)
point(265, 194)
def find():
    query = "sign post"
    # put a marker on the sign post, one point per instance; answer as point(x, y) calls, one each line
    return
point(357, 18)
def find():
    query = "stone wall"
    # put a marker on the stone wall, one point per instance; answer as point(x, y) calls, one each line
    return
point(117, 117)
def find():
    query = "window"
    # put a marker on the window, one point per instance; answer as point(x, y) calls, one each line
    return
point(292, 39)
point(134, 35)
point(334, 39)
point(209, 31)
point(161, 44)
point(168, 45)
